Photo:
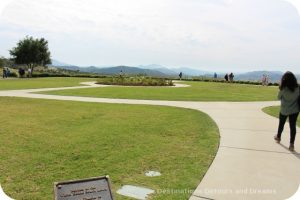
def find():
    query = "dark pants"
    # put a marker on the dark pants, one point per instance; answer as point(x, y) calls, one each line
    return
point(292, 120)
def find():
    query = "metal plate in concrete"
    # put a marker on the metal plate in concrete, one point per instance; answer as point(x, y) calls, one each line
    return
point(135, 192)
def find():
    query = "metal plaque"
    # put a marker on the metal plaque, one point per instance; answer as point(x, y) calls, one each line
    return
point(87, 189)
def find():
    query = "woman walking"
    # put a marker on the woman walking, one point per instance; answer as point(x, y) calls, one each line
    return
point(288, 95)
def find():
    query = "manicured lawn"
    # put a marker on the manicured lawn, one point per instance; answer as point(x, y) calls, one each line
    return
point(274, 111)
point(44, 141)
point(32, 83)
point(199, 91)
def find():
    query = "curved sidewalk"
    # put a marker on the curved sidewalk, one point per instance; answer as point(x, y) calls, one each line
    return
point(248, 165)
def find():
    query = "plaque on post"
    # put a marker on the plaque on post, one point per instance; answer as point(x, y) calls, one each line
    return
point(97, 188)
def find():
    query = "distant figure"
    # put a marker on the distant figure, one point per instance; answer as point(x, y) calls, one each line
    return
point(215, 75)
point(226, 77)
point(29, 72)
point(4, 72)
point(7, 72)
point(264, 80)
point(231, 76)
point(21, 72)
point(288, 95)
point(121, 73)
point(267, 80)
point(180, 75)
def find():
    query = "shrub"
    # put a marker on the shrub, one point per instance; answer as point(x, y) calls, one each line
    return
point(135, 81)
point(13, 74)
point(219, 80)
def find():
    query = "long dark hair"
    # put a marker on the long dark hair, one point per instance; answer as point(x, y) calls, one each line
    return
point(289, 81)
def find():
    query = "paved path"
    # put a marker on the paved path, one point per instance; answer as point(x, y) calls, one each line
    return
point(248, 165)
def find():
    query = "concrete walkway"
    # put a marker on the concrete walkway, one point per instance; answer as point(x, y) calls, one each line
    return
point(248, 165)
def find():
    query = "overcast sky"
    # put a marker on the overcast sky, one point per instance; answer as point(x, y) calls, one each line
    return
point(215, 35)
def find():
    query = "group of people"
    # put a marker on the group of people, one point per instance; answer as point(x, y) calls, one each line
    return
point(289, 95)
point(265, 80)
point(229, 77)
point(6, 72)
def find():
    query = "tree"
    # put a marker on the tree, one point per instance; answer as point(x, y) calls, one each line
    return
point(5, 62)
point(1, 62)
point(31, 52)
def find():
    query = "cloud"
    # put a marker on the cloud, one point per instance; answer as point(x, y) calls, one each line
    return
point(3, 4)
point(295, 3)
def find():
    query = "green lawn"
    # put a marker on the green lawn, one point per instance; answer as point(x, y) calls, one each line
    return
point(199, 91)
point(32, 83)
point(274, 111)
point(44, 141)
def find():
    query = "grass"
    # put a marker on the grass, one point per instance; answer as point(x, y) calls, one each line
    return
point(199, 91)
point(44, 141)
point(32, 83)
point(274, 111)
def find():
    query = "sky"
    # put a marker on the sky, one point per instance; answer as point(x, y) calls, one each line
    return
point(213, 35)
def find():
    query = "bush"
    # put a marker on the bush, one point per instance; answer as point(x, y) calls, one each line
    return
point(209, 79)
point(13, 74)
point(135, 81)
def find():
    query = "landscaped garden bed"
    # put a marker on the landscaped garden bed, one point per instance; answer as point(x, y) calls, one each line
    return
point(135, 81)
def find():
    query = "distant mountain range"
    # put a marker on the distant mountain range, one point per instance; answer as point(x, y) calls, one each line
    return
point(175, 71)
point(111, 70)
point(161, 71)
point(57, 63)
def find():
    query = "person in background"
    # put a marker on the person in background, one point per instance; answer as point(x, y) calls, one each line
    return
point(267, 80)
point(29, 72)
point(121, 74)
point(231, 77)
point(7, 72)
point(215, 75)
point(264, 80)
point(21, 72)
point(226, 77)
point(4, 72)
point(288, 95)
point(180, 75)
